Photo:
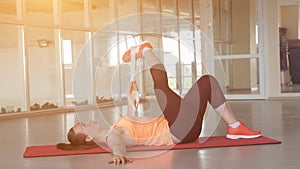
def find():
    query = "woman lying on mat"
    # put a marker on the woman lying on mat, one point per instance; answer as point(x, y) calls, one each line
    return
point(181, 123)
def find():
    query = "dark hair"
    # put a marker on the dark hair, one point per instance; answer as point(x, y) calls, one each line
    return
point(77, 142)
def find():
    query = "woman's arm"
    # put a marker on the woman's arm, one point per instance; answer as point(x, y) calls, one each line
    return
point(117, 144)
point(133, 99)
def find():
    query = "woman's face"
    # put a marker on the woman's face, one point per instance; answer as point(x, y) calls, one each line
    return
point(89, 128)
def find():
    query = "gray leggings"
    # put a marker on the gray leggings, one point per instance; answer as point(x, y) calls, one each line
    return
point(185, 115)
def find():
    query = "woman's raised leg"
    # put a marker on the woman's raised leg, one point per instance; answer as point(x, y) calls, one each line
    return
point(185, 115)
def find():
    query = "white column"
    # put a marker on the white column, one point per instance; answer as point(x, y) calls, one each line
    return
point(58, 52)
point(22, 53)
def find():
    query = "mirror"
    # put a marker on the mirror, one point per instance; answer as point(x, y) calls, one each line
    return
point(289, 45)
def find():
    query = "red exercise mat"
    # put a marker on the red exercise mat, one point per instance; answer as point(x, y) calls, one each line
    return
point(216, 141)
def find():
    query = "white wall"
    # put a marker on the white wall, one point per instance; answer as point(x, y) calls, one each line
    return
point(289, 19)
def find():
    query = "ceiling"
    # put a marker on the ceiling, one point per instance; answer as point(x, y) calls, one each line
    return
point(289, 2)
point(45, 6)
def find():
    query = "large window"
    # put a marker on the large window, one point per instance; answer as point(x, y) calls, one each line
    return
point(12, 86)
point(72, 43)
point(41, 42)
point(184, 67)
point(44, 68)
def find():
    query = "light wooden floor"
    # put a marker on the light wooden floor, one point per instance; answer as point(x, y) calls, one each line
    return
point(276, 119)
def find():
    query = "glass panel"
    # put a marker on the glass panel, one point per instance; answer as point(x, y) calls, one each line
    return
point(235, 26)
point(44, 69)
point(72, 43)
point(171, 61)
point(171, 70)
point(127, 7)
point(107, 48)
point(39, 12)
point(187, 70)
point(169, 6)
point(187, 82)
point(8, 10)
point(187, 54)
point(150, 6)
point(12, 97)
point(103, 12)
point(187, 78)
point(74, 14)
point(241, 76)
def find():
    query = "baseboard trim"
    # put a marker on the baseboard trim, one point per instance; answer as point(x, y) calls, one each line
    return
point(26, 114)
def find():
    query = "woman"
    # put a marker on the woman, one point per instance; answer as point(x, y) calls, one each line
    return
point(181, 123)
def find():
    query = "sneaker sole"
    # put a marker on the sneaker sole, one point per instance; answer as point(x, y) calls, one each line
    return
point(234, 137)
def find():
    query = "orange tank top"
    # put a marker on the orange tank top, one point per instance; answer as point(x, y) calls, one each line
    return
point(146, 130)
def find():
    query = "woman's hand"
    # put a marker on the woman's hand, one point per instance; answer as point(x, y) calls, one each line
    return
point(120, 160)
point(133, 95)
point(132, 87)
point(117, 144)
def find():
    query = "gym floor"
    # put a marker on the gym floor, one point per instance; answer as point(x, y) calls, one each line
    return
point(276, 119)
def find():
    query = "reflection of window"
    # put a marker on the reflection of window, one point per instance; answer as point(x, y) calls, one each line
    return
point(256, 34)
point(185, 69)
point(67, 52)
point(187, 76)
point(181, 73)
point(171, 70)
